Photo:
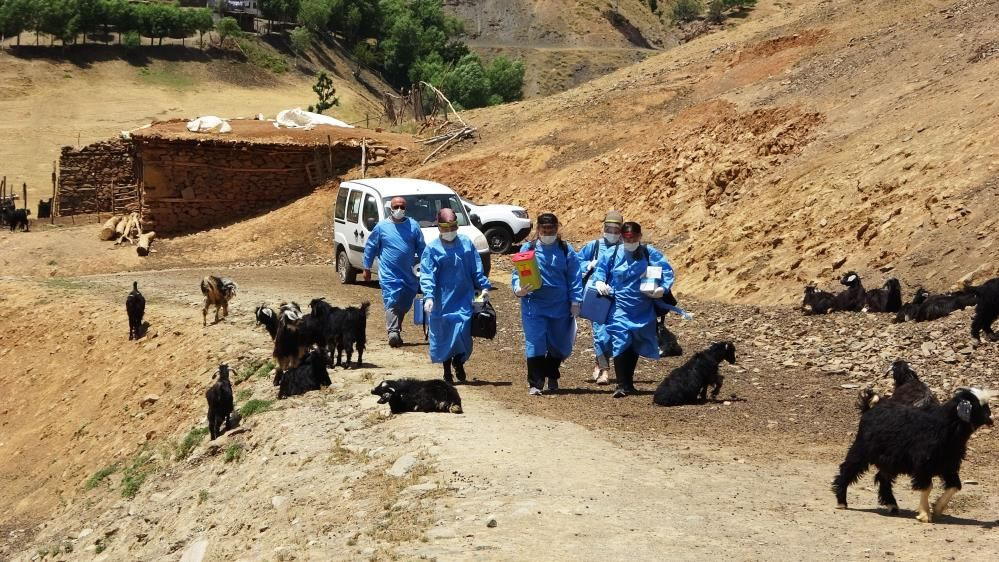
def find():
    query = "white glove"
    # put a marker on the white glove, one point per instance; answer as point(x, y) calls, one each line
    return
point(657, 293)
point(574, 309)
point(591, 265)
point(428, 305)
point(484, 295)
point(603, 289)
point(524, 290)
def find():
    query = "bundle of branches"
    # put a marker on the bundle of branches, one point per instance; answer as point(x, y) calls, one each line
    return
point(127, 228)
point(445, 131)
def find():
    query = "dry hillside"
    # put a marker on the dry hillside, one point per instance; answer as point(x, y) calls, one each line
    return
point(808, 140)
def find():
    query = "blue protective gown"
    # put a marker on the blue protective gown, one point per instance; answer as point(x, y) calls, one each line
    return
point(632, 321)
point(546, 313)
point(397, 247)
point(451, 273)
point(592, 251)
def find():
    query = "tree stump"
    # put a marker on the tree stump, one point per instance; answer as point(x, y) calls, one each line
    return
point(144, 241)
point(108, 231)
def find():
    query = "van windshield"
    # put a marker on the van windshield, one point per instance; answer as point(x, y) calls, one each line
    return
point(423, 208)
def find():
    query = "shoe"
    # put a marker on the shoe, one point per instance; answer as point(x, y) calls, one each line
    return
point(596, 374)
point(552, 386)
point(620, 392)
point(395, 340)
point(534, 391)
point(459, 371)
point(602, 379)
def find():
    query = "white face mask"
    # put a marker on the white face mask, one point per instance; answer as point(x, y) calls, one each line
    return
point(398, 214)
point(630, 246)
point(449, 236)
point(612, 238)
point(548, 240)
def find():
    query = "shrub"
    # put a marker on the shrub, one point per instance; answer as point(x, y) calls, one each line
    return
point(132, 40)
point(227, 27)
point(190, 441)
point(326, 92)
point(99, 476)
point(715, 8)
point(135, 474)
point(234, 452)
point(686, 10)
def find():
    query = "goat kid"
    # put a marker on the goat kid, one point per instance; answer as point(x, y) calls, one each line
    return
point(411, 395)
point(909, 390)
point(887, 298)
point(817, 302)
point(220, 403)
point(218, 292)
point(688, 384)
point(311, 374)
point(986, 310)
point(923, 443)
point(135, 307)
point(353, 333)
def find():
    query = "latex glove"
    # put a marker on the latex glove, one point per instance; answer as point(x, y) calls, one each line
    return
point(484, 295)
point(524, 290)
point(367, 275)
point(657, 293)
point(575, 309)
point(428, 305)
point(591, 265)
point(603, 289)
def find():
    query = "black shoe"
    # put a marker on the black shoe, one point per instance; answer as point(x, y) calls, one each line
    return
point(459, 370)
point(552, 386)
point(395, 339)
point(449, 379)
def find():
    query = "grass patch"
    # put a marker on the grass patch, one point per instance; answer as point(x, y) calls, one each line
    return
point(100, 476)
point(64, 283)
point(169, 75)
point(135, 474)
point(202, 496)
point(258, 55)
point(254, 406)
point(233, 453)
point(342, 455)
point(190, 441)
point(244, 394)
point(258, 369)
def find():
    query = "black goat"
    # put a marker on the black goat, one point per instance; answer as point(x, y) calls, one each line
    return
point(16, 218)
point(909, 390)
point(910, 310)
point(854, 297)
point(923, 443)
point(220, 406)
point(352, 333)
point(411, 395)
point(688, 384)
point(986, 310)
point(269, 318)
point(888, 298)
point(934, 307)
point(135, 306)
point(311, 374)
point(817, 302)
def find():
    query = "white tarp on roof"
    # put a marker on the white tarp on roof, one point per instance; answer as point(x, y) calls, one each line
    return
point(209, 123)
point(296, 118)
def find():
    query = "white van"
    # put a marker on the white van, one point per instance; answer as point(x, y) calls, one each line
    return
point(360, 204)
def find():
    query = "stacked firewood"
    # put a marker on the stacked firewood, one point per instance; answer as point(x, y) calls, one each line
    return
point(127, 229)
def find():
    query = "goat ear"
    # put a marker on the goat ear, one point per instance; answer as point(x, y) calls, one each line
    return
point(964, 411)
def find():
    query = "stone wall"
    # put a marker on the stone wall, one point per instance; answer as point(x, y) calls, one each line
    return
point(86, 176)
point(192, 185)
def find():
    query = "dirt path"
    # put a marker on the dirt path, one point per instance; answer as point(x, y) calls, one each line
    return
point(311, 482)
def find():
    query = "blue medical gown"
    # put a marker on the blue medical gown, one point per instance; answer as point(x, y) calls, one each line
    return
point(592, 251)
point(397, 246)
point(632, 321)
point(545, 313)
point(451, 273)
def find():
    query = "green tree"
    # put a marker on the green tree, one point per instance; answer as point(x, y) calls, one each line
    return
point(467, 84)
point(314, 15)
point(90, 14)
point(739, 4)
point(132, 40)
point(301, 39)
point(687, 10)
point(715, 8)
point(227, 27)
point(506, 79)
point(326, 92)
point(16, 16)
point(203, 22)
point(56, 18)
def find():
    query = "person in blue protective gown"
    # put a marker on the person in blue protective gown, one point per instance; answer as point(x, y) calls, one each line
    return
point(450, 275)
point(398, 243)
point(590, 255)
point(548, 313)
point(632, 321)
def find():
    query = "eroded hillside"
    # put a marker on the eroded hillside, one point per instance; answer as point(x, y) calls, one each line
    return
point(806, 141)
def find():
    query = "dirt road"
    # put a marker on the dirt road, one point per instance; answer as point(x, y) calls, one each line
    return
point(574, 476)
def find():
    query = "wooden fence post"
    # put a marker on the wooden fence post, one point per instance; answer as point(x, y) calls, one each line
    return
point(52, 201)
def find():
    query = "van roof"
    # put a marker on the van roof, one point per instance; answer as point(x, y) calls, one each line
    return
point(391, 187)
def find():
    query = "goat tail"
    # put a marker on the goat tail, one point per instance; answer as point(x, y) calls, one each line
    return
point(866, 399)
point(364, 307)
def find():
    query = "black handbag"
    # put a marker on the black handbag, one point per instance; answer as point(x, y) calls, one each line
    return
point(669, 346)
point(483, 320)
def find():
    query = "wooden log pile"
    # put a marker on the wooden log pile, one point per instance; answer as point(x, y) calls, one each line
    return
point(87, 176)
point(127, 229)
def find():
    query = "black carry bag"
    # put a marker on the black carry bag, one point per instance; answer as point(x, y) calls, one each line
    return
point(483, 320)
point(669, 346)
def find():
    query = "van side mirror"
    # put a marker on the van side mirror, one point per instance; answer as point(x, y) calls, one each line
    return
point(370, 223)
point(476, 221)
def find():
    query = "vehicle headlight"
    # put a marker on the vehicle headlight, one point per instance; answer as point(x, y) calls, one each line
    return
point(520, 214)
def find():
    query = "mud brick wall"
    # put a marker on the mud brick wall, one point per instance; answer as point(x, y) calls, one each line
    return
point(87, 174)
point(194, 185)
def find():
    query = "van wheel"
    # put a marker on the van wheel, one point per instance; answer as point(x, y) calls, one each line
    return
point(487, 263)
point(500, 239)
point(346, 272)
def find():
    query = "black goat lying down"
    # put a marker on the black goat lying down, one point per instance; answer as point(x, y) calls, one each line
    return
point(986, 310)
point(817, 302)
point(411, 395)
point(923, 443)
point(854, 297)
point(888, 298)
point(910, 310)
point(926, 307)
point(311, 374)
point(688, 384)
point(909, 390)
